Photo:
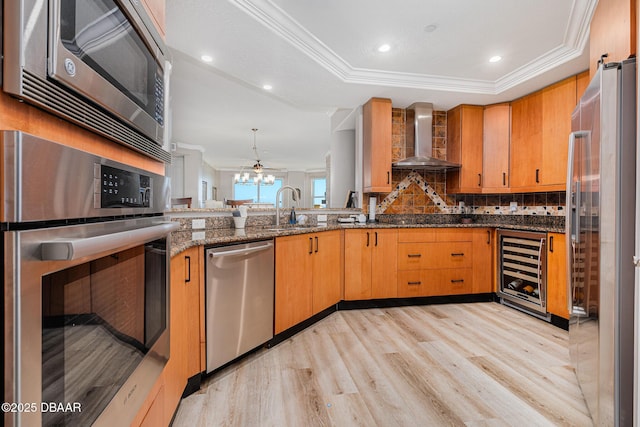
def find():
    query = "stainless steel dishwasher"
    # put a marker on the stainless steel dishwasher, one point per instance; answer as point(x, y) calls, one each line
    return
point(239, 300)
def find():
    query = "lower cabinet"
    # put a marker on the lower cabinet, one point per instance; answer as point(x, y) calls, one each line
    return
point(308, 276)
point(370, 264)
point(186, 321)
point(557, 275)
point(438, 262)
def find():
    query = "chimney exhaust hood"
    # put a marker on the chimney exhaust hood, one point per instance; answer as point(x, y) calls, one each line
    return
point(419, 132)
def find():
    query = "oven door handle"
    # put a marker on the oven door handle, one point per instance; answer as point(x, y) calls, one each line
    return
point(72, 249)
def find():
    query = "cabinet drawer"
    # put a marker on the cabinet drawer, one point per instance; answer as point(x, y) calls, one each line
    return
point(409, 235)
point(444, 281)
point(415, 256)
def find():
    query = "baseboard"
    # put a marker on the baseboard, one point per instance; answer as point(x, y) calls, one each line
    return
point(284, 335)
point(193, 385)
point(560, 322)
point(403, 302)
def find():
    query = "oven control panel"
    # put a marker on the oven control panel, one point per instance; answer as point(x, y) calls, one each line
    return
point(118, 188)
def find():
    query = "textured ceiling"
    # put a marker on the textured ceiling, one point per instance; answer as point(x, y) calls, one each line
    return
point(321, 56)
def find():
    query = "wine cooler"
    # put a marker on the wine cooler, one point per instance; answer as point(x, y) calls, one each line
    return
point(522, 265)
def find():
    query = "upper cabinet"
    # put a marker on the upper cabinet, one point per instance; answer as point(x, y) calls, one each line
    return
point(464, 146)
point(540, 128)
point(495, 148)
point(376, 150)
point(612, 31)
point(156, 10)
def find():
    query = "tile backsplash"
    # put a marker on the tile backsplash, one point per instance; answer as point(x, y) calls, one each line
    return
point(424, 192)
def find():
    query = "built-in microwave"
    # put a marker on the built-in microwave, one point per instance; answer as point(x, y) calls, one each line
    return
point(99, 63)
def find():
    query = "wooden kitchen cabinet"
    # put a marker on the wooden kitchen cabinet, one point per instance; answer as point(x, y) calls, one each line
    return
point(308, 270)
point(526, 141)
point(435, 262)
point(540, 128)
point(557, 275)
point(464, 146)
point(186, 320)
point(370, 264)
point(613, 30)
point(483, 261)
point(445, 261)
point(327, 270)
point(376, 149)
point(558, 103)
point(495, 148)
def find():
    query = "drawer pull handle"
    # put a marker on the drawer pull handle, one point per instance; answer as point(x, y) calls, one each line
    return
point(504, 178)
point(187, 258)
point(414, 283)
point(458, 254)
point(414, 255)
point(457, 280)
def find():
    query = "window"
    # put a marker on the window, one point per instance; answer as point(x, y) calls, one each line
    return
point(258, 193)
point(319, 192)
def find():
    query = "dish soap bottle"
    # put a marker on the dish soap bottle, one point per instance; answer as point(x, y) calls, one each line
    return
point(292, 216)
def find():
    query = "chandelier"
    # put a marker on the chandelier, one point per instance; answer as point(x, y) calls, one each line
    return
point(258, 170)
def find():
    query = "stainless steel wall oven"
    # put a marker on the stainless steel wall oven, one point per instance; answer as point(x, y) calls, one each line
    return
point(100, 64)
point(522, 282)
point(86, 260)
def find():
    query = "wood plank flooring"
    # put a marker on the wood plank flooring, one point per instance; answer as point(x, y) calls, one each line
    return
point(479, 364)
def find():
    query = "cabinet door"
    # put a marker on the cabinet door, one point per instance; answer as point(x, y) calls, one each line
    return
point(293, 280)
point(613, 30)
point(357, 261)
point(495, 146)
point(175, 372)
point(464, 146)
point(327, 269)
point(376, 150)
point(384, 264)
point(558, 103)
point(526, 141)
point(194, 309)
point(557, 275)
point(483, 263)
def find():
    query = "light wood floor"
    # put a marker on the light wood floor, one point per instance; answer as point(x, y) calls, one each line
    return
point(478, 364)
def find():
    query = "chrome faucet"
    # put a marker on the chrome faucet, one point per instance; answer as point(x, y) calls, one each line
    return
point(295, 195)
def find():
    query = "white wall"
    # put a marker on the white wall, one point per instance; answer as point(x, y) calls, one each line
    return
point(191, 174)
point(342, 179)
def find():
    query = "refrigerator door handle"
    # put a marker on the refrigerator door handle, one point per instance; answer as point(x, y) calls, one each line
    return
point(573, 201)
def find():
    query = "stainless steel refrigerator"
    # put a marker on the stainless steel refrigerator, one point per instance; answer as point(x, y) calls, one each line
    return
point(601, 194)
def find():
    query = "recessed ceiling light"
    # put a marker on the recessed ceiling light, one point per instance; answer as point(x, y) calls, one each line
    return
point(206, 58)
point(267, 87)
point(495, 58)
point(384, 48)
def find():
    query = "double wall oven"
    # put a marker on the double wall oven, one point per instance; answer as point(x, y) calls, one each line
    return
point(85, 248)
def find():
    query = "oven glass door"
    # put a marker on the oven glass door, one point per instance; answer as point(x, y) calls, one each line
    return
point(98, 51)
point(87, 310)
point(99, 319)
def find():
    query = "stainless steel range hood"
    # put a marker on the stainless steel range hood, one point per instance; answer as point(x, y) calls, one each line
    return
point(418, 131)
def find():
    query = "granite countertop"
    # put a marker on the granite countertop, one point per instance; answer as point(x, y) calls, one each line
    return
point(184, 239)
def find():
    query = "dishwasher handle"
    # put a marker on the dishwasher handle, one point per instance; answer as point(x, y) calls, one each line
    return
point(243, 251)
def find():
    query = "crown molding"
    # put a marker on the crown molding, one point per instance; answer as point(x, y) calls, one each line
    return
point(277, 20)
